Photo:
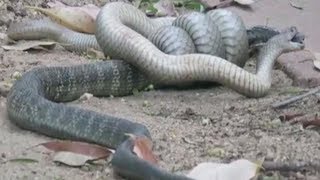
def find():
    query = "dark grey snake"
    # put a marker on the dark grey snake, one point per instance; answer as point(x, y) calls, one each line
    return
point(122, 32)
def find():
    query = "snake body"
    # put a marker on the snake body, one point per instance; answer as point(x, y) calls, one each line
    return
point(123, 32)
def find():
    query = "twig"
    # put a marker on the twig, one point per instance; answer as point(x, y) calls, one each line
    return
point(296, 98)
point(288, 117)
point(293, 166)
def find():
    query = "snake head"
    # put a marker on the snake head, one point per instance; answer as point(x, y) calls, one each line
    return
point(290, 40)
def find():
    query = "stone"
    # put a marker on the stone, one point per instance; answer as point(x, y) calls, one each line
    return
point(299, 67)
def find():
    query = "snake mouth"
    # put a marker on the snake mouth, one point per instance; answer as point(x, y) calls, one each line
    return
point(298, 40)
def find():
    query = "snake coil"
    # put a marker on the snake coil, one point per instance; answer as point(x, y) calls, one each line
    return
point(123, 32)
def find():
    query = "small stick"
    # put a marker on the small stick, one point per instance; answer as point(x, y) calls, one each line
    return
point(296, 98)
point(285, 167)
point(288, 117)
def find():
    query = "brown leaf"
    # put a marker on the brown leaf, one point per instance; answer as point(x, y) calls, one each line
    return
point(92, 150)
point(143, 149)
point(165, 8)
point(288, 117)
point(80, 19)
point(27, 45)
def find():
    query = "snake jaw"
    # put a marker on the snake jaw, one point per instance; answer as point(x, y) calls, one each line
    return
point(292, 40)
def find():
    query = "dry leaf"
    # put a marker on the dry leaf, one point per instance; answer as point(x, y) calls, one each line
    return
point(71, 159)
point(27, 45)
point(143, 149)
point(316, 61)
point(165, 8)
point(297, 3)
point(240, 169)
point(80, 19)
point(92, 150)
point(95, 54)
point(245, 2)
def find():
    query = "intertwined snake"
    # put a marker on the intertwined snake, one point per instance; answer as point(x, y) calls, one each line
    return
point(123, 32)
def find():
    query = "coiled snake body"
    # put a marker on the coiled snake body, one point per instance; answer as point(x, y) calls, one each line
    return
point(123, 32)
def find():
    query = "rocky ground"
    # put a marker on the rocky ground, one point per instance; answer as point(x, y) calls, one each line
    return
point(188, 126)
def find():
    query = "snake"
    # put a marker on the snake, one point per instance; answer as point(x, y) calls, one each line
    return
point(125, 33)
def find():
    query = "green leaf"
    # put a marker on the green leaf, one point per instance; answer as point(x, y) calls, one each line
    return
point(24, 160)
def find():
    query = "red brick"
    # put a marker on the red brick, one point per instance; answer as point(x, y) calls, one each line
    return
point(299, 67)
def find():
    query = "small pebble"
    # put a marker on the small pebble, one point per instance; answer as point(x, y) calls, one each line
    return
point(85, 96)
point(205, 121)
point(145, 103)
point(16, 75)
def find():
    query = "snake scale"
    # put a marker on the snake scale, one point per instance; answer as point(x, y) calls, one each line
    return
point(127, 34)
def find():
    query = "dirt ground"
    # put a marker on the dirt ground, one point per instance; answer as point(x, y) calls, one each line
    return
point(238, 127)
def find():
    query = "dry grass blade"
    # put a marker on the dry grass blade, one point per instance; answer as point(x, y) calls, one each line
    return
point(27, 45)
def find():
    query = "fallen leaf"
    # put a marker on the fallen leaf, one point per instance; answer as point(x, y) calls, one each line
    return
point(80, 19)
point(92, 150)
point(316, 61)
point(27, 45)
point(297, 3)
point(24, 160)
point(91, 9)
point(165, 8)
point(71, 159)
point(143, 149)
point(240, 169)
point(245, 2)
